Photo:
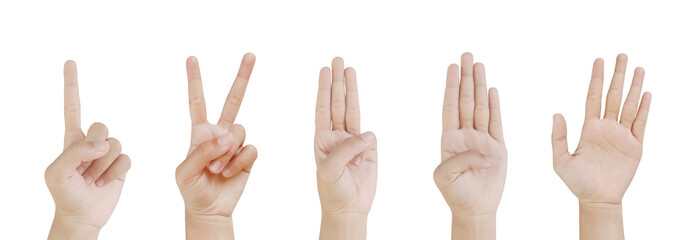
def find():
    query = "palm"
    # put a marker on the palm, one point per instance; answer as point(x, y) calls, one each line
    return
point(471, 175)
point(602, 167)
point(89, 204)
point(607, 156)
point(208, 192)
point(351, 191)
point(479, 189)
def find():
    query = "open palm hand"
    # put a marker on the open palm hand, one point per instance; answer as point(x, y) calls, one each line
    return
point(609, 151)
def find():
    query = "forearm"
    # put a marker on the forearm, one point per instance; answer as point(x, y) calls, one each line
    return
point(601, 221)
point(479, 227)
point(343, 227)
point(61, 229)
point(208, 227)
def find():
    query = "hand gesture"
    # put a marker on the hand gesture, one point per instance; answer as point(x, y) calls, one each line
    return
point(610, 149)
point(216, 169)
point(346, 159)
point(87, 178)
point(471, 176)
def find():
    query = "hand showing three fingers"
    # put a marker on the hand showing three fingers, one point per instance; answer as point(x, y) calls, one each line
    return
point(346, 159)
point(216, 169)
point(610, 148)
point(87, 178)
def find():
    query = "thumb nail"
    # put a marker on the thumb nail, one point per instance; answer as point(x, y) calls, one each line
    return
point(367, 136)
point(101, 146)
point(224, 139)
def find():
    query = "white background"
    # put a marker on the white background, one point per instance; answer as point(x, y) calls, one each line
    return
point(131, 55)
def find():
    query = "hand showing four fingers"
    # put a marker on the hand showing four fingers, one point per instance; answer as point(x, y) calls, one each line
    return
point(471, 176)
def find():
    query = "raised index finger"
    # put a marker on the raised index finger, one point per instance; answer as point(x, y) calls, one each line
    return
point(71, 97)
point(234, 98)
point(195, 89)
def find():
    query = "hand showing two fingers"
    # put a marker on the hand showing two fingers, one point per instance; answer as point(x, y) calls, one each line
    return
point(87, 178)
point(213, 176)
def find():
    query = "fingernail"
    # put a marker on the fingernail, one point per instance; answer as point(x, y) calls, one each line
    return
point(88, 180)
point(101, 146)
point(367, 136)
point(100, 182)
point(80, 170)
point(215, 165)
point(227, 172)
point(224, 139)
point(357, 161)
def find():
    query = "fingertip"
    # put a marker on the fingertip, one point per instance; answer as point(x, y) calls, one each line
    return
point(191, 60)
point(622, 57)
point(493, 91)
point(350, 70)
point(478, 66)
point(126, 159)
point(467, 56)
point(337, 60)
point(250, 56)
point(640, 70)
point(453, 67)
point(647, 96)
point(69, 64)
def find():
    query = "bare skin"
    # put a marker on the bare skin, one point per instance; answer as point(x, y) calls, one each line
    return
point(87, 178)
point(610, 148)
point(213, 176)
point(471, 176)
point(346, 159)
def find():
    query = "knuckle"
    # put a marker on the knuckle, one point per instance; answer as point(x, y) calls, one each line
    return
point(352, 110)
point(234, 100)
point(594, 97)
point(323, 109)
point(196, 101)
point(72, 107)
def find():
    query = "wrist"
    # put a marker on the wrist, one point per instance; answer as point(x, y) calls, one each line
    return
point(65, 229)
point(480, 226)
point(343, 226)
point(201, 226)
point(600, 220)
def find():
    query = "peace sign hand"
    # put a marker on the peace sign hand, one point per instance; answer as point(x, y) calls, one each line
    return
point(213, 176)
point(87, 178)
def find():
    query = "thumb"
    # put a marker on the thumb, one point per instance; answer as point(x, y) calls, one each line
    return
point(347, 150)
point(201, 156)
point(73, 156)
point(559, 137)
point(461, 162)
